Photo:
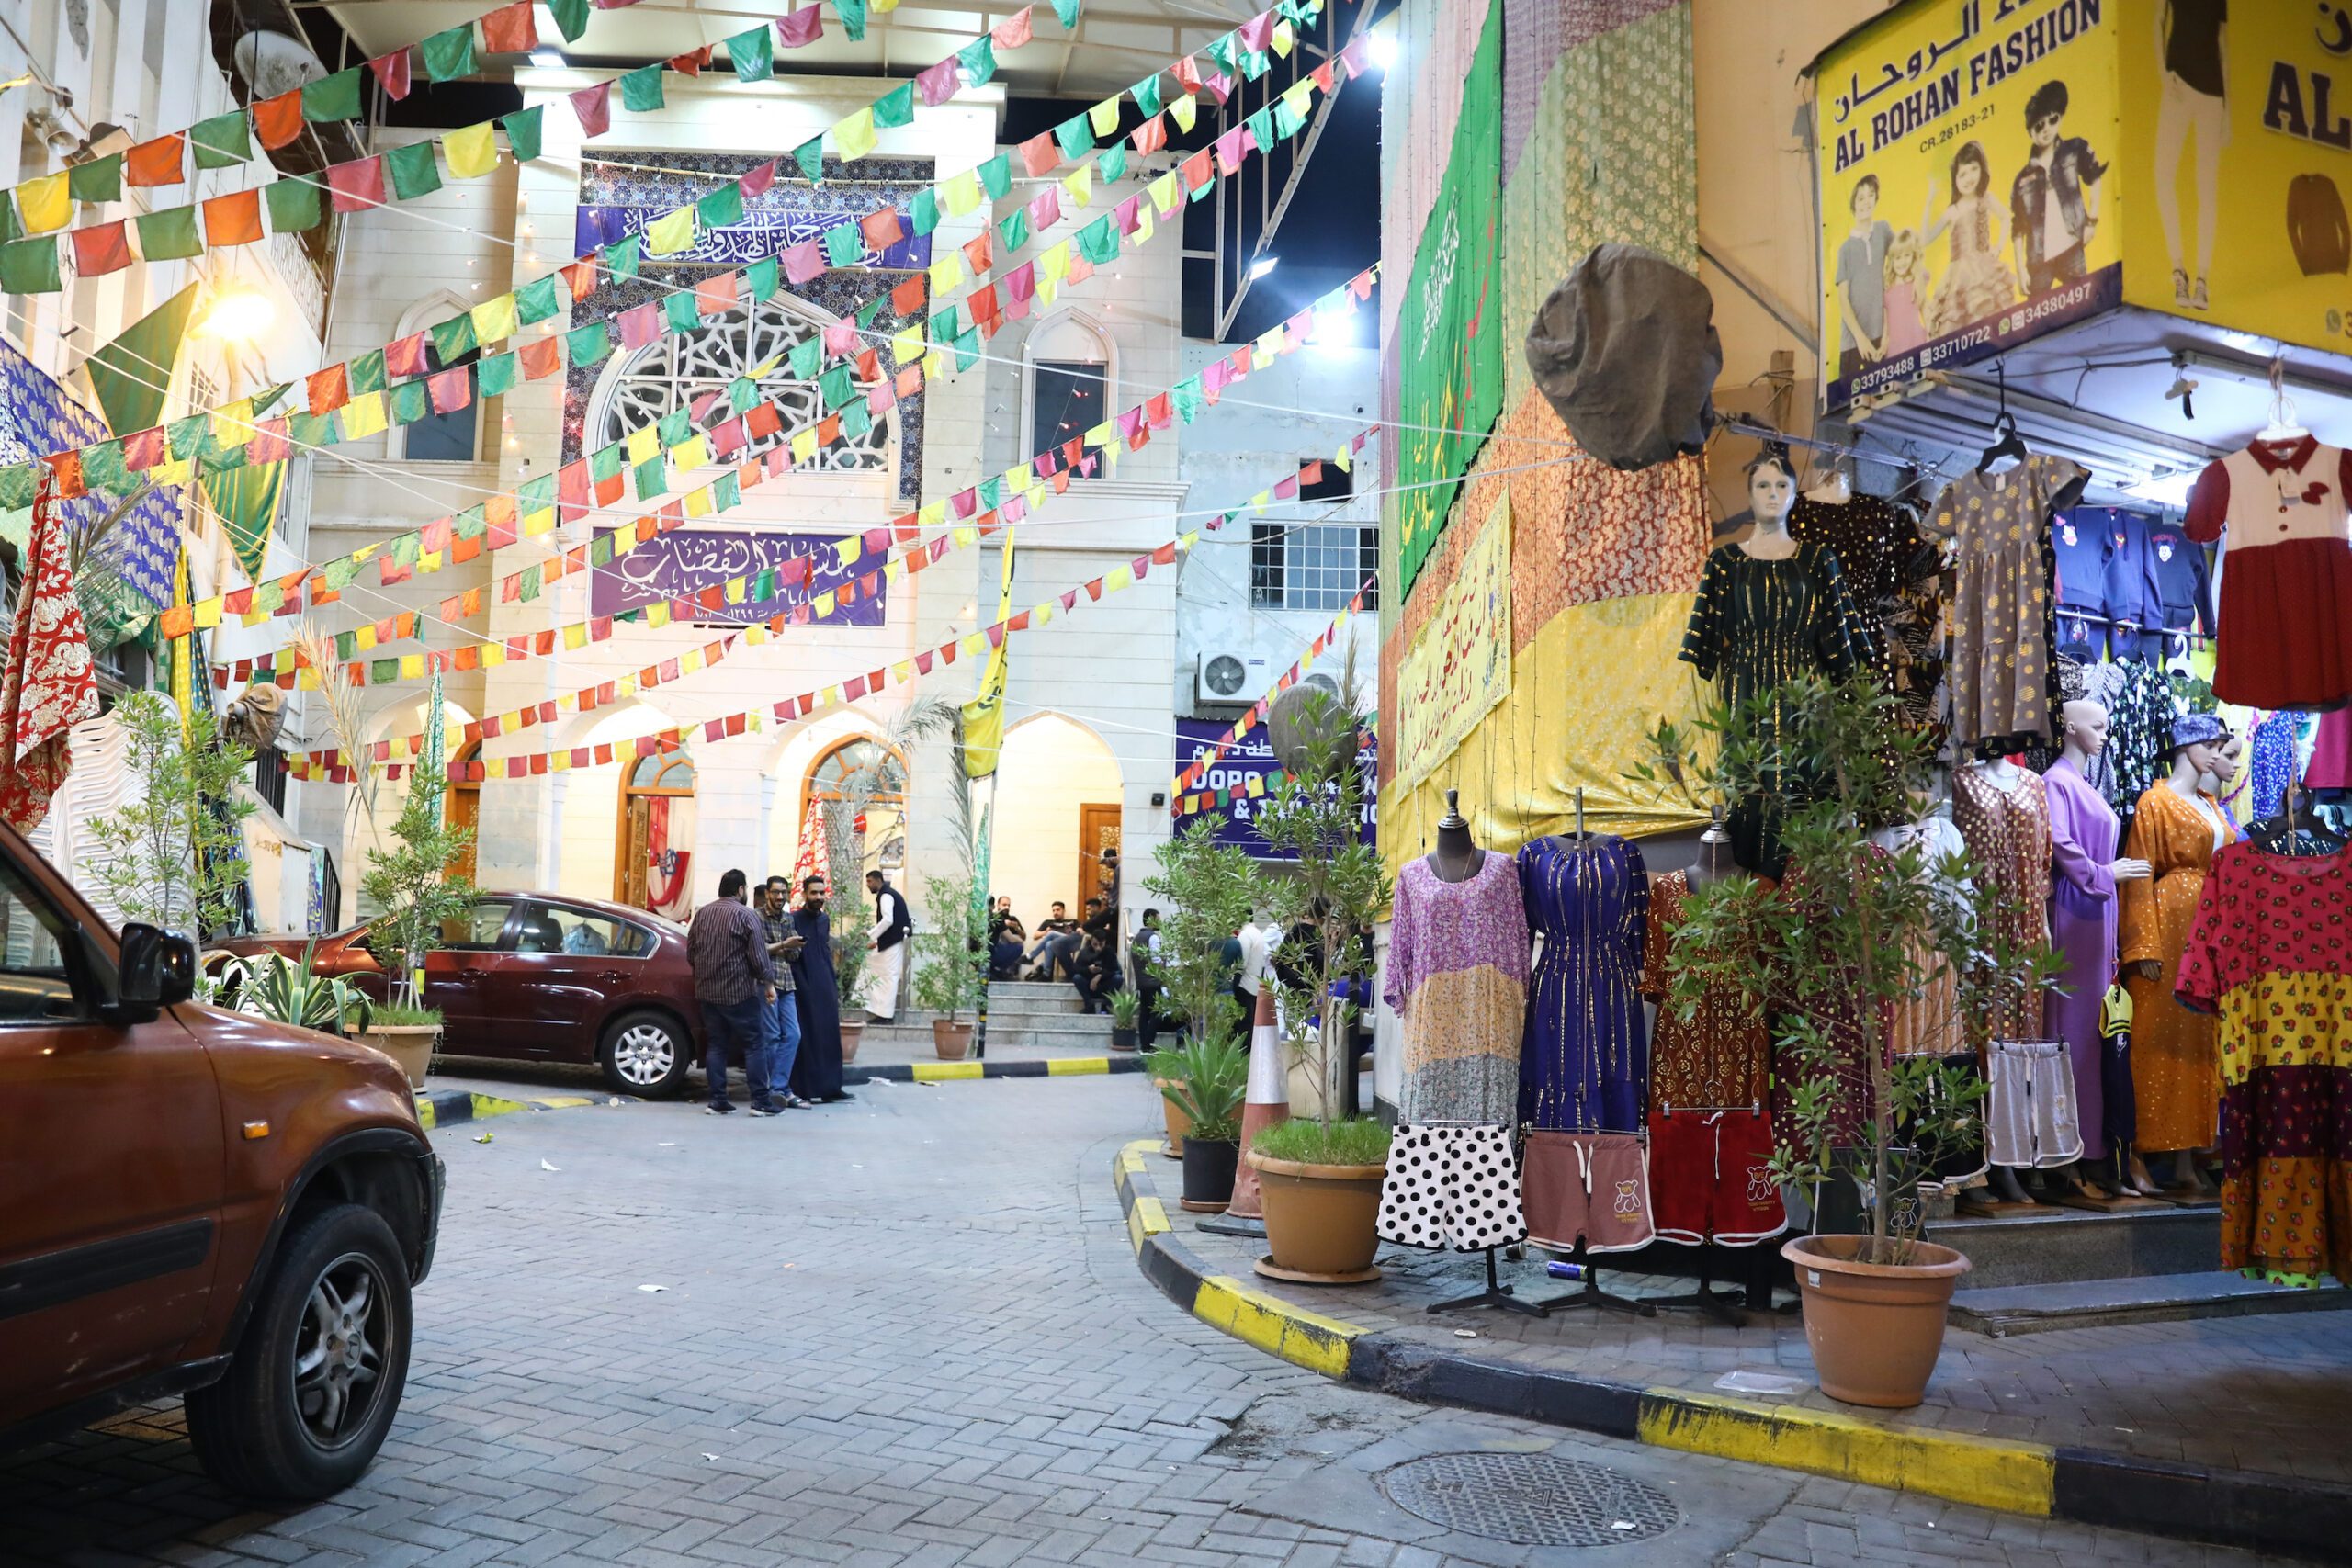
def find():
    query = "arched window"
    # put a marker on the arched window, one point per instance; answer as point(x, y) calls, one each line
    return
point(1071, 377)
point(452, 438)
point(675, 369)
point(864, 767)
point(657, 791)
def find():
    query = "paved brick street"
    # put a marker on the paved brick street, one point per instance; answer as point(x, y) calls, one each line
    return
point(907, 1330)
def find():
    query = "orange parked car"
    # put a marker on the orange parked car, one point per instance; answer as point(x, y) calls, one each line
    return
point(196, 1203)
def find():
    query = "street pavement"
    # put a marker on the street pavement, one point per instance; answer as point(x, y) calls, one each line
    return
point(904, 1330)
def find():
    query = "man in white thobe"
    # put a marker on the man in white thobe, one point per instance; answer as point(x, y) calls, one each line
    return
point(892, 926)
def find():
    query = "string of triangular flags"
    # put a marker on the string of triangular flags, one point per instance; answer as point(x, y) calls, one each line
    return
point(1191, 778)
point(335, 766)
point(397, 384)
point(1253, 786)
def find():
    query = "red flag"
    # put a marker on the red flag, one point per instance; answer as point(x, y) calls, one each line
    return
point(100, 250)
point(510, 29)
point(594, 108)
point(391, 70)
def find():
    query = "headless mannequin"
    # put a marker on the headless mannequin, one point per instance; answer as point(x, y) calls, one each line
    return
point(1772, 492)
point(2084, 737)
point(2191, 764)
point(1714, 862)
point(1458, 857)
point(2001, 1179)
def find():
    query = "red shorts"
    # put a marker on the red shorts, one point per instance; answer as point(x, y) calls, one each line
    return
point(1710, 1180)
point(1592, 1187)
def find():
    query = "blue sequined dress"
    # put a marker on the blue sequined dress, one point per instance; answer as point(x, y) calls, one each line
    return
point(1585, 1061)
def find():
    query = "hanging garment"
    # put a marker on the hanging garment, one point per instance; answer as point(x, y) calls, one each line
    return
point(2082, 926)
point(1585, 1063)
point(2284, 639)
point(49, 685)
point(1757, 623)
point(2139, 705)
point(2030, 1116)
point(1928, 1024)
point(1710, 1177)
point(1458, 982)
point(1589, 1186)
point(2001, 666)
point(1718, 1055)
point(2084, 537)
point(2160, 579)
point(1450, 1187)
point(2174, 1069)
point(1848, 1101)
point(2330, 760)
point(2117, 1099)
point(1892, 578)
point(2266, 954)
point(2270, 762)
point(2006, 828)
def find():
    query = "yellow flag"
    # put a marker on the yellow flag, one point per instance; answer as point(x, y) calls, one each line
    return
point(641, 445)
point(961, 193)
point(1080, 183)
point(537, 522)
point(412, 667)
point(984, 715)
point(1105, 117)
point(364, 639)
point(363, 416)
point(947, 272)
point(1164, 192)
point(493, 318)
point(472, 152)
point(692, 453)
point(854, 136)
point(1184, 110)
point(1145, 227)
point(698, 502)
point(804, 445)
point(932, 513)
point(670, 232)
point(734, 593)
point(906, 344)
point(1055, 263)
point(45, 203)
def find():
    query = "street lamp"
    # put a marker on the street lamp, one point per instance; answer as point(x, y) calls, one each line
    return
point(1263, 266)
point(240, 313)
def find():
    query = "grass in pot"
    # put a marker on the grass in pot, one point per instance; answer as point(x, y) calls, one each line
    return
point(1126, 1013)
point(1204, 1080)
point(1853, 932)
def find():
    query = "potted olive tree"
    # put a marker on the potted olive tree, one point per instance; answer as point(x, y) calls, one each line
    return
point(1854, 931)
point(1319, 1174)
point(1204, 1080)
point(410, 882)
point(1209, 889)
point(951, 976)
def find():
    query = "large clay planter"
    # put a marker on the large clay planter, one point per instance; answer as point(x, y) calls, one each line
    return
point(1319, 1219)
point(1209, 1164)
point(410, 1045)
point(951, 1041)
point(1179, 1122)
point(1874, 1328)
point(851, 1033)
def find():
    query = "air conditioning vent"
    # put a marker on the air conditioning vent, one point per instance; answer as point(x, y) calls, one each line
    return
point(1221, 679)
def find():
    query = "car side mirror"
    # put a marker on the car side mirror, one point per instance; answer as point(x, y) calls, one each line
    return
point(157, 969)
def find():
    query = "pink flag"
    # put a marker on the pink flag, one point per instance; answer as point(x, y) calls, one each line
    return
point(1045, 209)
point(1021, 282)
point(358, 185)
point(406, 356)
point(391, 70)
point(1130, 214)
point(803, 261)
point(269, 443)
point(450, 390)
point(939, 83)
point(1014, 31)
point(840, 338)
point(641, 326)
point(1256, 32)
point(756, 180)
point(964, 502)
point(1228, 150)
point(880, 398)
point(594, 108)
point(797, 29)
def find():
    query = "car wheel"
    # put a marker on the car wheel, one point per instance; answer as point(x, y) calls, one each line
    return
point(647, 1054)
point(317, 1378)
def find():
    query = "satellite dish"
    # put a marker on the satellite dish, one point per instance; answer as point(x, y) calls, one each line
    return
point(275, 62)
point(1306, 713)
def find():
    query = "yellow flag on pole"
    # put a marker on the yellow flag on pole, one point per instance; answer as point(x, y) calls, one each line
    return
point(984, 715)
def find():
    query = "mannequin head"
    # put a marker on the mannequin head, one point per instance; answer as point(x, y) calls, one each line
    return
point(2197, 742)
point(2085, 726)
point(1772, 490)
point(2228, 757)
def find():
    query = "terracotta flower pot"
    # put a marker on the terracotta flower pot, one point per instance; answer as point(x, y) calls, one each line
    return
point(951, 1041)
point(1874, 1328)
point(1319, 1217)
point(1179, 1122)
point(1209, 1164)
point(851, 1033)
point(410, 1045)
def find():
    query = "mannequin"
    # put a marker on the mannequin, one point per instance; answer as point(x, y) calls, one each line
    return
point(1832, 486)
point(2083, 874)
point(1772, 492)
point(1713, 862)
point(1457, 856)
point(2176, 1067)
point(1457, 978)
point(2003, 815)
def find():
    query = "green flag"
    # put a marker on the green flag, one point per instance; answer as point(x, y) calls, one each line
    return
point(130, 374)
point(221, 142)
point(246, 501)
point(293, 205)
point(449, 55)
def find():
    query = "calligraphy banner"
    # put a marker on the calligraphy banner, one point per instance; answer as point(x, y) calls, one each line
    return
point(1458, 667)
point(1253, 757)
point(762, 232)
point(1971, 156)
point(1450, 336)
point(678, 564)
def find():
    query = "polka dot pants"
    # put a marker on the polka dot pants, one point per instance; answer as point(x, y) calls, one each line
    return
point(1451, 1186)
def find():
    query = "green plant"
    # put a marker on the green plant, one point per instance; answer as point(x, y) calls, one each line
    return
point(273, 987)
point(1363, 1141)
point(1126, 1009)
point(410, 884)
point(952, 976)
point(1853, 933)
point(1205, 1079)
point(403, 1015)
point(849, 963)
point(175, 857)
point(1210, 888)
point(1315, 818)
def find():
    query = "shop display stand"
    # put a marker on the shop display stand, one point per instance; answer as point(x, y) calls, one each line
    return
point(1727, 1307)
point(1497, 1294)
point(1592, 1295)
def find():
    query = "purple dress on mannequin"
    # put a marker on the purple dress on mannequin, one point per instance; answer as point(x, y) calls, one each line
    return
point(2082, 927)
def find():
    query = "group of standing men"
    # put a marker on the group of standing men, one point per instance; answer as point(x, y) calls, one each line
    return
point(765, 981)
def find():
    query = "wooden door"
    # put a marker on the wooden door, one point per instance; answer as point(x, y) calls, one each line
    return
point(462, 808)
point(1098, 829)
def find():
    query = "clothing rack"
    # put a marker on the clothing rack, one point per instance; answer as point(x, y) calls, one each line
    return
point(1726, 1308)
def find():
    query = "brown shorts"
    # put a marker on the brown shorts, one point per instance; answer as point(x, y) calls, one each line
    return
point(1593, 1186)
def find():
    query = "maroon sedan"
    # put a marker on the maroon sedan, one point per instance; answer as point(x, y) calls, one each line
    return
point(540, 977)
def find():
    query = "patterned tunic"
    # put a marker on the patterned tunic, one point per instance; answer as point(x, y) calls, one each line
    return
point(1718, 1056)
point(1890, 575)
point(1458, 980)
point(2002, 611)
point(2176, 1071)
point(2268, 953)
point(1756, 625)
point(1586, 1065)
point(2007, 831)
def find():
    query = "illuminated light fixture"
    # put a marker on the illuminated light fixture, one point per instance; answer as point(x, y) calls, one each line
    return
point(238, 313)
point(1263, 266)
point(2165, 490)
point(1383, 45)
point(548, 58)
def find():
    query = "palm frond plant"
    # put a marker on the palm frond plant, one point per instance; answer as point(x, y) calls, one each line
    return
point(1126, 1008)
point(1205, 1079)
point(275, 987)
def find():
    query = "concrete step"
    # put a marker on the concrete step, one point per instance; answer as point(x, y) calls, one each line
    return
point(2153, 1298)
point(1067, 1005)
point(2055, 1246)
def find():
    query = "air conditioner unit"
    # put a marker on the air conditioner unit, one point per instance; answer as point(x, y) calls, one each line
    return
point(1222, 676)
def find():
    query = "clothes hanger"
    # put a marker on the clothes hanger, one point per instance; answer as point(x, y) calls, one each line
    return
point(2005, 424)
point(2277, 833)
point(2283, 426)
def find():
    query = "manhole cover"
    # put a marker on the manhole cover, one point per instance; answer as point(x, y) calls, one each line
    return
point(1531, 1499)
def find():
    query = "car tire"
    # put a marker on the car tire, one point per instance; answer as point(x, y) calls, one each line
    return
point(316, 1379)
point(647, 1054)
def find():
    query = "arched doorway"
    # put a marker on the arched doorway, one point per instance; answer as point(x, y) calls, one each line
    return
point(859, 768)
point(1059, 795)
point(461, 807)
point(649, 862)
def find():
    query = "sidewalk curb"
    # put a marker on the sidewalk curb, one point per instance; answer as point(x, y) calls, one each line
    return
point(447, 1107)
point(948, 1072)
point(2272, 1514)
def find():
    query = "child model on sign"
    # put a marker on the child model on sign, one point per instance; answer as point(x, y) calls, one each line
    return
point(1978, 283)
point(1906, 282)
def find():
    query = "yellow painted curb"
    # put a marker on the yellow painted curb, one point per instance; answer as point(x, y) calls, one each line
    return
point(1986, 1473)
point(1076, 1066)
point(942, 1072)
point(426, 1117)
point(1131, 1160)
point(1145, 1220)
point(1301, 1337)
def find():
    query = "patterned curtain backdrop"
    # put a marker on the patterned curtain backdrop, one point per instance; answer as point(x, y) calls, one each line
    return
point(37, 417)
point(1451, 384)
